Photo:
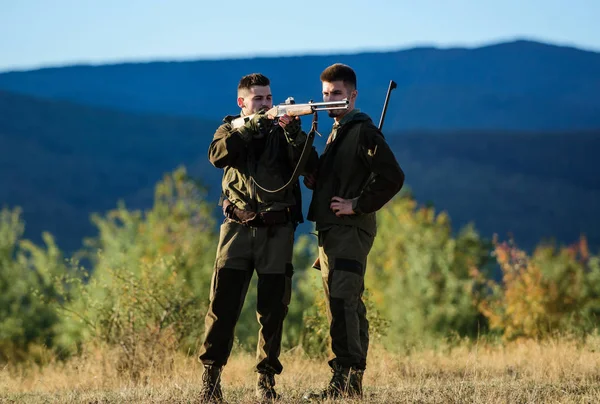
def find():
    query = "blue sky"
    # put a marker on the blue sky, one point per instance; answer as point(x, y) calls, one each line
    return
point(36, 33)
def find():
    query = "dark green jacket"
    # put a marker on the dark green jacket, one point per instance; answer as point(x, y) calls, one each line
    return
point(357, 165)
point(270, 161)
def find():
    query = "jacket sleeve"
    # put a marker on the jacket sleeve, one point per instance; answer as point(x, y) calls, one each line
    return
point(228, 148)
point(312, 163)
point(386, 178)
point(295, 146)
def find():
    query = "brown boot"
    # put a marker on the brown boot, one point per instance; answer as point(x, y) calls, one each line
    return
point(211, 385)
point(265, 388)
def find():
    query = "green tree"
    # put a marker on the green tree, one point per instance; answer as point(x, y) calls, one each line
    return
point(420, 275)
point(31, 285)
point(150, 277)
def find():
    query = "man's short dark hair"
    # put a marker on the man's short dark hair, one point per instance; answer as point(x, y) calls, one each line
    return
point(251, 80)
point(340, 71)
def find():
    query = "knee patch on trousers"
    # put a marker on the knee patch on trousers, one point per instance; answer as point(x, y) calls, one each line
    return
point(346, 279)
point(227, 289)
point(348, 265)
point(276, 289)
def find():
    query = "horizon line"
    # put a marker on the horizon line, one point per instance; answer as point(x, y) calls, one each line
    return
point(291, 54)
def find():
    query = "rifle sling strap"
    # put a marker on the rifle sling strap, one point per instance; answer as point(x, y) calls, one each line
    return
point(301, 162)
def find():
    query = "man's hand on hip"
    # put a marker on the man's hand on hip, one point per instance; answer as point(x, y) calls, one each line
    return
point(341, 207)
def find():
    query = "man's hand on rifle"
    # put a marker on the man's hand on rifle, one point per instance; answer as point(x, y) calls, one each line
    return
point(256, 127)
point(341, 207)
point(291, 125)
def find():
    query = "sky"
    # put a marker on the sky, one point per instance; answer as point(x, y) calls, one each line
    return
point(41, 33)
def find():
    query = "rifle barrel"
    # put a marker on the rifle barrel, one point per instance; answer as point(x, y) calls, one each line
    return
point(385, 104)
point(296, 110)
point(330, 103)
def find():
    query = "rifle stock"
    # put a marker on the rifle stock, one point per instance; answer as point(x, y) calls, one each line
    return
point(294, 110)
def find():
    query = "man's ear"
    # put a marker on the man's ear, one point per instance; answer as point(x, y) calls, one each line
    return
point(240, 102)
point(354, 94)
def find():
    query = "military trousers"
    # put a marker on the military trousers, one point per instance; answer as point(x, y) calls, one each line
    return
point(241, 250)
point(343, 252)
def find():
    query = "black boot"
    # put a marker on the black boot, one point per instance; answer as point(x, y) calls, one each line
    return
point(354, 388)
point(211, 385)
point(337, 388)
point(265, 388)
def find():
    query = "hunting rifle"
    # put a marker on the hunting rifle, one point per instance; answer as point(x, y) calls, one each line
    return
point(290, 108)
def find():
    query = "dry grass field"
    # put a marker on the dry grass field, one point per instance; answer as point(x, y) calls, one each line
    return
point(563, 370)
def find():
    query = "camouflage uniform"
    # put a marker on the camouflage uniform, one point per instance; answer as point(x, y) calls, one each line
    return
point(258, 233)
point(356, 164)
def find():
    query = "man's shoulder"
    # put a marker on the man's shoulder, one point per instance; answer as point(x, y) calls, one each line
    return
point(226, 122)
point(368, 129)
point(229, 118)
point(363, 121)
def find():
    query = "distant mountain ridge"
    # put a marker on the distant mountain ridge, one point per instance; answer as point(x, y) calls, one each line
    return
point(60, 161)
point(520, 85)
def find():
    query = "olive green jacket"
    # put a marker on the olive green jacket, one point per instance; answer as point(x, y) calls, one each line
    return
point(358, 165)
point(268, 161)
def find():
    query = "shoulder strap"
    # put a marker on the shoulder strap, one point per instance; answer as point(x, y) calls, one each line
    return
point(301, 162)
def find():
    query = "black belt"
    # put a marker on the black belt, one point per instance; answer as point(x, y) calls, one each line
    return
point(261, 219)
point(271, 218)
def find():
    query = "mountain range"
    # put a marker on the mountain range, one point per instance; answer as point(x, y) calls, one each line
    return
point(505, 136)
point(520, 85)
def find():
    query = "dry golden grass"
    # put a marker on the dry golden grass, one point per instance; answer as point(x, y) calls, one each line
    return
point(563, 371)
